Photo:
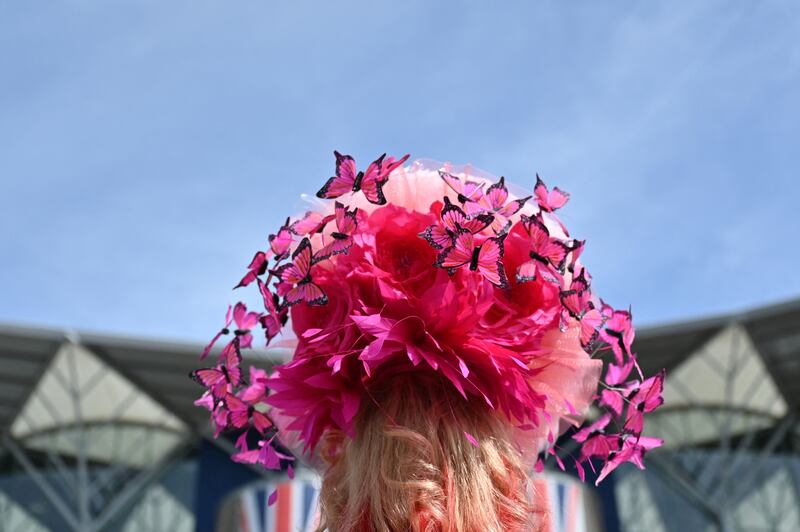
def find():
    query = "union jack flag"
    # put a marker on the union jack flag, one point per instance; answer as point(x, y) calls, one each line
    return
point(296, 508)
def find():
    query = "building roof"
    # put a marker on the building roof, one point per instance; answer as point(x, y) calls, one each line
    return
point(159, 369)
point(774, 331)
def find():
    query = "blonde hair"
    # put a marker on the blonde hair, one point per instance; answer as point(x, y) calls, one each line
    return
point(409, 466)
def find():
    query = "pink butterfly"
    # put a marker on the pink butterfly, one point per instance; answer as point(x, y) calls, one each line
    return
point(577, 299)
point(494, 202)
point(222, 332)
point(469, 192)
point(619, 333)
point(453, 218)
point(591, 322)
point(228, 372)
point(342, 238)
point(595, 441)
point(296, 280)
point(256, 390)
point(646, 399)
point(486, 258)
point(600, 445)
point(547, 254)
point(616, 374)
point(613, 400)
point(220, 418)
point(267, 456)
point(597, 427)
point(547, 200)
point(370, 182)
point(245, 321)
point(577, 247)
point(313, 222)
point(231, 357)
point(242, 413)
point(275, 318)
point(218, 379)
point(633, 450)
point(281, 242)
point(256, 267)
point(219, 415)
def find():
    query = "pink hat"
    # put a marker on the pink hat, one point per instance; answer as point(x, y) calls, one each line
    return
point(438, 269)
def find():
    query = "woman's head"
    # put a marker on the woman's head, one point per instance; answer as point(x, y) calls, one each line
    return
point(409, 465)
point(446, 333)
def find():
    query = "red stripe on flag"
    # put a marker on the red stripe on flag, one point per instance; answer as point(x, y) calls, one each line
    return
point(541, 494)
point(284, 510)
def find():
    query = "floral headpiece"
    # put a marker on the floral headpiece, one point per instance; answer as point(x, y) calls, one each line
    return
point(432, 268)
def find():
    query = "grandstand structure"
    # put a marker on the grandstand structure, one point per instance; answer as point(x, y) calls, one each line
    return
point(731, 461)
point(99, 433)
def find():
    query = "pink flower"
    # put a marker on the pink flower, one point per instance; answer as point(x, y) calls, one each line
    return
point(403, 258)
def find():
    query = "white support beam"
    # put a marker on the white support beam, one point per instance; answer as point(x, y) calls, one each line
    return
point(47, 490)
point(133, 489)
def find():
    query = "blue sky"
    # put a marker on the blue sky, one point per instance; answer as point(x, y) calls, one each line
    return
point(148, 147)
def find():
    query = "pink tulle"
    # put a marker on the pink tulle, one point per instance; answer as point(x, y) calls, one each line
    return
point(568, 377)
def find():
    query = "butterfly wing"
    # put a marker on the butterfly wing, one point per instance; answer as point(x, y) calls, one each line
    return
point(390, 165)
point(495, 196)
point(547, 200)
point(230, 359)
point(590, 323)
point(437, 236)
point(270, 304)
point(502, 211)
point(260, 421)
point(256, 267)
point(372, 182)
point(239, 411)
point(459, 253)
point(527, 271)
point(576, 248)
point(544, 246)
point(279, 243)
point(473, 192)
point(273, 321)
point(300, 267)
point(452, 216)
point(490, 262)
point(313, 222)
point(272, 325)
point(208, 377)
point(342, 238)
point(343, 181)
point(244, 320)
point(334, 247)
point(231, 355)
point(512, 207)
point(346, 220)
point(554, 251)
point(575, 302)
point(469, 192)
point(533, 269)
point(309, 292)
point(648, 397)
